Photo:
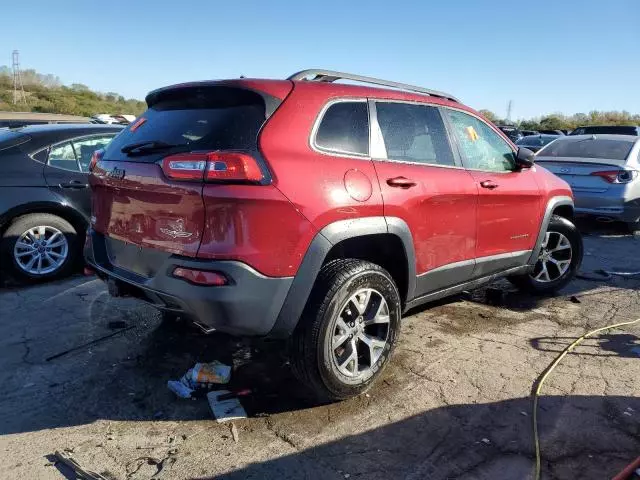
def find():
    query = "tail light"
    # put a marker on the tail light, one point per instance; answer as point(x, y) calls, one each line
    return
point(212, 167)
point(617, 176)
point(95, 158)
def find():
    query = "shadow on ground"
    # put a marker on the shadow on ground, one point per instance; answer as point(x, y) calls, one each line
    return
point(623, 345)
point(477, 441)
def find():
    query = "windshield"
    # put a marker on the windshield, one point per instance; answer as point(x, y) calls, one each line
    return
point(588, 148)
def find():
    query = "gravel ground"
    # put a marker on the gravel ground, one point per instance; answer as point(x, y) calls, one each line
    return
point(454, 403)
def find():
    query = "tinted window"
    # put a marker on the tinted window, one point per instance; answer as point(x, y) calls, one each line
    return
point(63, 156)
point(588, 148)
point(482, 148)
point(345, 129)
point(204, 118)
point(536, 140)
point(612, 129)
point(85, 147)
point(414, 133)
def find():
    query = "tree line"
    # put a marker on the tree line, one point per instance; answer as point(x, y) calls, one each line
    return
point(559, 121)
point(45, 93)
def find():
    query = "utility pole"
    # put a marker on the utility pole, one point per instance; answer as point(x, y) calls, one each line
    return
point(509, 107)
point(18, 87)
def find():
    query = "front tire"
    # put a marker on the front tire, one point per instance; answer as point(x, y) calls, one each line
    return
point(558, 262)
point(348, 329)
point(40, 246)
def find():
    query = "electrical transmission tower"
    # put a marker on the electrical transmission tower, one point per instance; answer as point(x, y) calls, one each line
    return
point(18, 88)
point(509, 107)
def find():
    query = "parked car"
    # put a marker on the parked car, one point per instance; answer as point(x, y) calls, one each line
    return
point(602, 171)
point(553, 132)
point(607, 129)
point(535, 142)
point(528, 133)
point(320, 212)
point(21, 119)
point(44, 196)
point(513, 133)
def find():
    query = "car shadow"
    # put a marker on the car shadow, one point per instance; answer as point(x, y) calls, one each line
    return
point(586, 434)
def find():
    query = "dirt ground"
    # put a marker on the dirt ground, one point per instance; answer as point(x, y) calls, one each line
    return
point(454, 403)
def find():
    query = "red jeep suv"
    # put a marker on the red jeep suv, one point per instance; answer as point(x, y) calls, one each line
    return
point(320, 211)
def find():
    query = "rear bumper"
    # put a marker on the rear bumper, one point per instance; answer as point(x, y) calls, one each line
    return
point(603, 205)
point(250, 305)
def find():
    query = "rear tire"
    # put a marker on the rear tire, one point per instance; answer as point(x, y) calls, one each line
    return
point(561, 257)
point(350, 297)
point(40, 246)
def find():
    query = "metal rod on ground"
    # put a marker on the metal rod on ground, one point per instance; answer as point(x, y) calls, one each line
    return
point(92, 342)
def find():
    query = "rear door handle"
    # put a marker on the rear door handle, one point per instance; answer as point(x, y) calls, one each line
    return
point(400, 182)
point(488, 184)
point(74, 184)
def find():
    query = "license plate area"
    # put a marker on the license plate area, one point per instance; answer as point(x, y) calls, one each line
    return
point(142, 261)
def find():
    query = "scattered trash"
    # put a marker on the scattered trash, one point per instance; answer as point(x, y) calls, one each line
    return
point(80, 472)
point(179, 388)
point(117, 324)
point(486, 441)
point(203, 376)
point(234, 432)
point(524, 414)
point(226, 409)
point(628, 414)
point(574, 299)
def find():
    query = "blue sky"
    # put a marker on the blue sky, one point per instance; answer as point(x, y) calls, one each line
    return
point(546, 56)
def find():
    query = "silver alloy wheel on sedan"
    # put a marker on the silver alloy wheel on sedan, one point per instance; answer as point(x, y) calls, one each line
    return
point(41, 250)
point(360, 333)
point(554, 259)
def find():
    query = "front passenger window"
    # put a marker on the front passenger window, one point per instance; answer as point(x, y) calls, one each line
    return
point(482, 148)
point(63, 156)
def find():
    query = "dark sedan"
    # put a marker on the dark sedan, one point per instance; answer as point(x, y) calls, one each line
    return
point(536, 142)
point(45, 201)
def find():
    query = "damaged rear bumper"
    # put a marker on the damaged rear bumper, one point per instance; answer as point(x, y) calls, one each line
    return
point(248, 305)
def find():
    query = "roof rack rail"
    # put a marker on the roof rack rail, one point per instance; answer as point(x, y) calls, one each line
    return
point(319, 75)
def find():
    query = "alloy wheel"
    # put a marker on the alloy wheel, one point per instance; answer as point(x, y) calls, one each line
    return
point(41, 250)
point(360, 333)
point(554, 259)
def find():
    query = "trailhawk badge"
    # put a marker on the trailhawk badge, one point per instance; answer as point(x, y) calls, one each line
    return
point(176, 229)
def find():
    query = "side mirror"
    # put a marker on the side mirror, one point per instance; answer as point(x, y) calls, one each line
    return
point(525, 158)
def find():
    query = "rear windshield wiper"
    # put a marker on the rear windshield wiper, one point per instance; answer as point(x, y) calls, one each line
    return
point(148, 146)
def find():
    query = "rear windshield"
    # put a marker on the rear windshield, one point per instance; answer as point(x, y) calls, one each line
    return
point(204, 118)
point(11, 138)
point(613, 129)
point(588, 148)
point(535, 141)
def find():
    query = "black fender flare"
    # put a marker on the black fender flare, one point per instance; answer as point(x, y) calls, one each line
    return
point(552, 204)
point(317, 252)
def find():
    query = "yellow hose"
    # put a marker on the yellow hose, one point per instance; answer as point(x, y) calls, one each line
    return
point(546, 373)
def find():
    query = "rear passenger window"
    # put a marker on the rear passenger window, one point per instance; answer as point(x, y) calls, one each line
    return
point(414, 133)
point(85, 147)
point(63, 156)
point(345, 129)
